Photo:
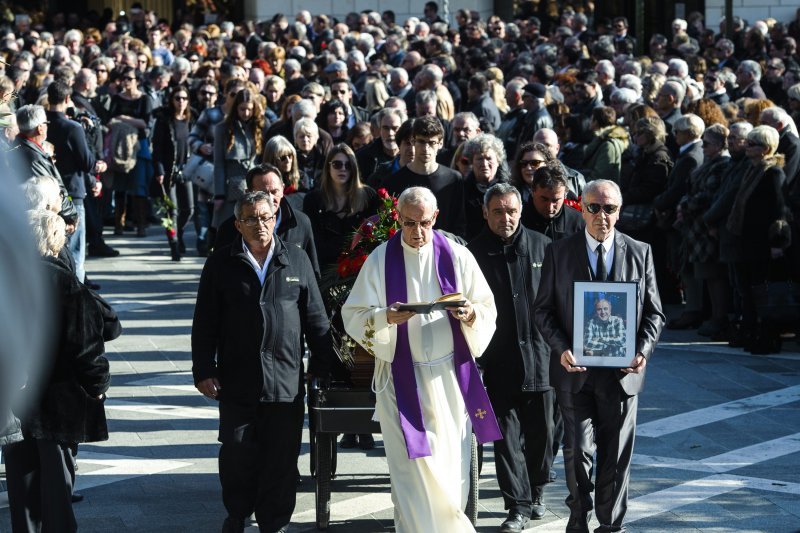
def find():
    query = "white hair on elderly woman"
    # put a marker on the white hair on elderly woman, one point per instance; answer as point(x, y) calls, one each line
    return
point(49, 231)
point(42, 192)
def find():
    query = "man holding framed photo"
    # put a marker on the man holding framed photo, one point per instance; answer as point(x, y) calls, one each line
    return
point(598, 404)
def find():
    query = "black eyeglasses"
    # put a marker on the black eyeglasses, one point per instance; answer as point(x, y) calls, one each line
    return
point(209, 93)
point(754, 144)
point(535, 163)
point(129, 78)
point(181, 98)
point(255, 221)
point(339, 165)
point(288, 157)
point(609, 209)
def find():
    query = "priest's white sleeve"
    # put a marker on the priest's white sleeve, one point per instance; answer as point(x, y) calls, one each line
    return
point(364, 312)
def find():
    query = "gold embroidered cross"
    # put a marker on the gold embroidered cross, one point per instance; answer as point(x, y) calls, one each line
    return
point(480, 413)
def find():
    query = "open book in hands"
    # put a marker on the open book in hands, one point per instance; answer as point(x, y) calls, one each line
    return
point(455, 299)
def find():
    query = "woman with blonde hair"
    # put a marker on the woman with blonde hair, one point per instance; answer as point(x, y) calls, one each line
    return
point(278, 151)
point(753, 220)
point(377, 93)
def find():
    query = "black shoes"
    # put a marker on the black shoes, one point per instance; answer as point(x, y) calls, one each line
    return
point(102, 250)
point(174, 251)
point(77, 497)
point(538, 509)
point(365, 441)
point(347, 441)
point(690, 320)
point(233, 525)
point(515, 522)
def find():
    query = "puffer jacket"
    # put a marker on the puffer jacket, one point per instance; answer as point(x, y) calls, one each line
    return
point(603, 159)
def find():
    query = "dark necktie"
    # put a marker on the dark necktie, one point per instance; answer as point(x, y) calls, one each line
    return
point(600, 272)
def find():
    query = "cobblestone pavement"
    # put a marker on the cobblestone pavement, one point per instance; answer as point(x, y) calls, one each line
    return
point(718, 444)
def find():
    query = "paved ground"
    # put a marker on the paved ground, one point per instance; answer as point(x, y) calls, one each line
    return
point(718, 445)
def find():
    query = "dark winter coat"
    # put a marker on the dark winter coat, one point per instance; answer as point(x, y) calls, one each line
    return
point(165, 144)
point(249, 336)
point(66, 407)
point(564, 224)
point(29, 159)
point(517, 358)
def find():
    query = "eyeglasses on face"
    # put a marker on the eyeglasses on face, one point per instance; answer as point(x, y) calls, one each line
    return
point(535, 163)
point(339, 165)
point(427, 142)
point(411, 224)
point(129, 78)
point(208, 93)
point(288, 157)
point(754, 144)
point(181, 98)
point(251, 222)
point(609, 209)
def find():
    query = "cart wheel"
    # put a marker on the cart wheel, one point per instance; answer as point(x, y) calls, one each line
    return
point(472, 498)
point(325, 447)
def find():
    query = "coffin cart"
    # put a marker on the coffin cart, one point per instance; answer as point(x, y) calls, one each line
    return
point(339, 407)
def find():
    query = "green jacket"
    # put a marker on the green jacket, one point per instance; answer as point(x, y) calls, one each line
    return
point(603, 158)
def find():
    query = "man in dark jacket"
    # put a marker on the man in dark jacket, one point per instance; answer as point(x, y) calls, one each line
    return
point(291, 224)
point(384, 148)
point(516, 362)
point(75, 162)
point(257, 301)
point(481, 103)
point(546, 212)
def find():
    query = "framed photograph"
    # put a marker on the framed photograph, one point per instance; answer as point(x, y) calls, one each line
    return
point(604, 318)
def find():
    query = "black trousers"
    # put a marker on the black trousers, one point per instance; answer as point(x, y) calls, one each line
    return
point(39, 487)
point(601, 418)
point(524, 457)
point(258, 460)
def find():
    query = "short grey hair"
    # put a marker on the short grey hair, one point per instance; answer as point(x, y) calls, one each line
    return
point(623, 95)
point(727, 44)
point(303, 108)
point(419, 196)
point(676, 89)
point(680, 66)
point(30, 117)
point(426, 97)
point(500, 189)
point(632, 82)
point(485, 142)
point(305, 123)
point(606, 67)
point(690, 123)
point(49, 231)
point(252, 198)
point(181, 64)
point(752, 68)
point(740, 129)
point(42, 192)
point(594, 186)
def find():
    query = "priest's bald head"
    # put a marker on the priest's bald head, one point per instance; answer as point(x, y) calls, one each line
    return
point(418, 210)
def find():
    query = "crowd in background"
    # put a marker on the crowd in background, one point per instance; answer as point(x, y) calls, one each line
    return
point(173, 117)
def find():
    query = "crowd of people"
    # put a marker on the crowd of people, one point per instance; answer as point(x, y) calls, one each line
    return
point(292, 125)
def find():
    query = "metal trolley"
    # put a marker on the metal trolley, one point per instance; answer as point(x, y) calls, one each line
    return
point(335, 408)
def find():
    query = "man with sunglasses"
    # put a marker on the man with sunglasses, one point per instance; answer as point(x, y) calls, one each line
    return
point(598, 404)
point(257, 301)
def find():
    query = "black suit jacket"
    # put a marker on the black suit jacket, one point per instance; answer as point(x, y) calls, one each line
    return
point(566, 261)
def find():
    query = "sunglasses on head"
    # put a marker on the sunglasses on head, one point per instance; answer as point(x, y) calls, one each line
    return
point(339, 165)
point(609, 209)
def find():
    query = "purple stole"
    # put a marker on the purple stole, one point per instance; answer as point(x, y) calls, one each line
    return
point(476, 400)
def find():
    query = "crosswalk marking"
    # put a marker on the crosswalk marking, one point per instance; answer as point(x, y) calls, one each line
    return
point(716, 413)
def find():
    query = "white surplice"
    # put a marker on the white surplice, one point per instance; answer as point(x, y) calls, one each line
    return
point(430, 493)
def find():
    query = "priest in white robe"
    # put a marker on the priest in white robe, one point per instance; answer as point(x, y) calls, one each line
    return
point(429, 396)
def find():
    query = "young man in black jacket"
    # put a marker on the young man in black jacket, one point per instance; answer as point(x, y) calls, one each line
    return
point(546, 212)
